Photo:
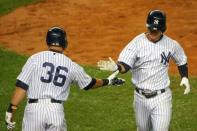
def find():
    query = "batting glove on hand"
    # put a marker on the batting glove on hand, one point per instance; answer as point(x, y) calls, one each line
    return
point(113, 80)
point(118, 81)
point(108, 65)
point(185, 83)
point(8, 120)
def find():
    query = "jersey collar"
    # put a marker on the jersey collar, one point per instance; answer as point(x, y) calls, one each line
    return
point(159, 39)
point(56, 51)
point(154, 41)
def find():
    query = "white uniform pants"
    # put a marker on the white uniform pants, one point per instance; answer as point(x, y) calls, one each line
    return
point(153, 114)
point(44, 116)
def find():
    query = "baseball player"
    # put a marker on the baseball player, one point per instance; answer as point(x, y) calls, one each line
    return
point(147, 56)
point(46, 79)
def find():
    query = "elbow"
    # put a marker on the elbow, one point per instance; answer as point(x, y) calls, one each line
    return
point(86, 88)
point(90, 85)
point(123, 67)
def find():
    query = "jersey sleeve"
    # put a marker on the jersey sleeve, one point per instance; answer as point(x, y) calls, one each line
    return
point(129, 54)
point(80, 76)
point(26, 73)
point(179, 55)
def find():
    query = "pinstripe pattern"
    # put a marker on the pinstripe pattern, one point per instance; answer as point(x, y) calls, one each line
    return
point(33, 70)
point(154, 113)
point(149, 64)
point(44, 116)
point(144, 57)
point(49, 75)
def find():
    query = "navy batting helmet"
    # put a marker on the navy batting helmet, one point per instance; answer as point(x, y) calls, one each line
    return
point(56, 36)
point(156, 20)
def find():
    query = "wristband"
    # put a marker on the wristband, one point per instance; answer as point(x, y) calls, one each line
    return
point(119, 67)
point(11, 108)
point(105, 82)
point(183, 70)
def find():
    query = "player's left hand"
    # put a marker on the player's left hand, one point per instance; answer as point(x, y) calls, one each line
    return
point(185, 83)
point(108, 65)
point(8, 119)
point(113, 80)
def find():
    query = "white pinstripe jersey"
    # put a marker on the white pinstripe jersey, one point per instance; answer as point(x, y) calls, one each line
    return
point(149, 61)
point(49, 75)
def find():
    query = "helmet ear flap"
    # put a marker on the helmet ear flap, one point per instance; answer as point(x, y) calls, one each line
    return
point(156, 20)
point(56, 36)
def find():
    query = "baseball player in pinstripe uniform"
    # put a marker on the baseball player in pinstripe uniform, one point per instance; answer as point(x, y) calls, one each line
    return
point(45, 79)
point(147, 56)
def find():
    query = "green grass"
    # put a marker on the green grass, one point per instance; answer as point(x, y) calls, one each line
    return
point(103, 109)
point(7, 6)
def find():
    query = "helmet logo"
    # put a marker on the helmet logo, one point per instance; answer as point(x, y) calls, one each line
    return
point(156, 21)
point(55, 44)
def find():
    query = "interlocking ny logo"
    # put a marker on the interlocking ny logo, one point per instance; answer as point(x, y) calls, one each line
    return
point(165, 59)
point(156, 21)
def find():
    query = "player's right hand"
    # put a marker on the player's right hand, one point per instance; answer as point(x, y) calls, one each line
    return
point(108, 65)
point(8, 119)
point(185, 83)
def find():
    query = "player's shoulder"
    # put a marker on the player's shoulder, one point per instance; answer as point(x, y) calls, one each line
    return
point(75, 65)
point(138, 37)
point(171, 41)
point(39, 54)
point(69, 62)
point(34, 56)
point(136, 40)
point(165, 37)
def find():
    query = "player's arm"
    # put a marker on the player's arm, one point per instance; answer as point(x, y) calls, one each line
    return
point(183, 70)
point(111, 80)
point(19, 93)
point(180, 59)
point(86, 82)
point(17, 98)
point(96, 83)
point(123, 67)
point(111, 65)
point(126, 60)
point(22, 85)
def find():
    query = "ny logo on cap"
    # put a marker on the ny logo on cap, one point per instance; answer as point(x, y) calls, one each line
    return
point(156, 21)
point(165, 58)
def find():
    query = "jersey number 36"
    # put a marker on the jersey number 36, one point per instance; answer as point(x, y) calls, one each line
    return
point(54, 77)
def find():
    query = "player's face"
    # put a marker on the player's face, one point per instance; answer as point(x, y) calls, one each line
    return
point(60, 49)
point(154, 35)
point(155, 32)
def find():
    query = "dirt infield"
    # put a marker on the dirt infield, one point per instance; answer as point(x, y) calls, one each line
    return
point(98, 29)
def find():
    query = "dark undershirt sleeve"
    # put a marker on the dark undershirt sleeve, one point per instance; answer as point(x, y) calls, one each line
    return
point(127, 67)
point(92, 83)
point(22, 85)
point(183, 70)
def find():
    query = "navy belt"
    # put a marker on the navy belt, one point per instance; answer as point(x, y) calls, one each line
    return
point(148, 93)
point(37, 100)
